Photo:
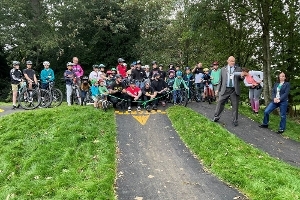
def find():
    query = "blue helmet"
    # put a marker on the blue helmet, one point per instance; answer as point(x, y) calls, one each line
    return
point(178, 73)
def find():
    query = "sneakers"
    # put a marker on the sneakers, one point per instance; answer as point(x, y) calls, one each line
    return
point(163, 103)
point(280, 131)
point(263, 126)
point(155, 107)
point(138, 108)
point(148, 108)
point(129, 108)
point(14, 107)
point(235, 123)
point(215, 119)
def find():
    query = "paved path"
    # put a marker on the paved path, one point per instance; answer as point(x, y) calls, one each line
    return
point(272, 143)
point(155, 164)
point(6, 110)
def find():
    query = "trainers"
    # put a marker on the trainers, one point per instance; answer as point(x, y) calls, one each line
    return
point(138, 108)
point(280, 131)
point(129, 108)
point(148, 108)
point(163, 103)
point(215, 119)
point(14, 107)
point(155, 107)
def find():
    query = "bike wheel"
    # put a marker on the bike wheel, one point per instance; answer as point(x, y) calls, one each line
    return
point(29, 101)
point(57, 97)
point(46, 98)
point(104, 105)
point(185, 98)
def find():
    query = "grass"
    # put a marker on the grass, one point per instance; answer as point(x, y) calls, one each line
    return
point(252, 171)
point(292, 127)
point(58, 153)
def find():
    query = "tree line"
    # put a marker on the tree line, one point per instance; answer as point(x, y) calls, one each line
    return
point(261, 34)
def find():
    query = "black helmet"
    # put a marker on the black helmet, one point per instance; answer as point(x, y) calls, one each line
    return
point(85, 78)
point(28, 62)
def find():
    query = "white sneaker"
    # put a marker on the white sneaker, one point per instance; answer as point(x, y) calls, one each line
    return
point(138, 108)
point(129, 108)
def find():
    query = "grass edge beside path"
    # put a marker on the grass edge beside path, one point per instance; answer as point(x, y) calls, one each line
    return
point(250, 170)
point(68, 152)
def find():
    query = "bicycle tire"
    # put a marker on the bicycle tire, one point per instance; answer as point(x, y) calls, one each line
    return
point(29, 102)
point(46, 98)
point(104, 105)
point(57, 97)
point(185, 97)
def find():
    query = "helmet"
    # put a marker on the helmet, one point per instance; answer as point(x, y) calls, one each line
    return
point(93, 81)
point(95, 66)
point(28, 62)
point(101, 66)
point(187, 68)
point(205, 69)
point(70, 64)
point(85, 78)
point(118, 76)
point(146, 66)
point(178, 73)
point(109, 72)
point(120, 60)
point(46, 63)
point(113, 69)
point(133, 63)
point(171, 71)
point(215, 63)
point(100, 81)
point(132, 82)
point(15, 63)
point(154, 62)
point(138, 62)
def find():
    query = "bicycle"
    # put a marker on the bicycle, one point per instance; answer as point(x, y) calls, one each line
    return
point(75, 96)
point(29, 99)
point(56, 96)
point(182, 97)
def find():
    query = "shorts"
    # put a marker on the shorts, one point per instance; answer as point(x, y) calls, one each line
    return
point(14, 87)
point(95, 98)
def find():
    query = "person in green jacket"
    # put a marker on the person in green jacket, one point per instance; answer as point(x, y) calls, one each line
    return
point(179, 83)
point(215, 77)
point(103, 91)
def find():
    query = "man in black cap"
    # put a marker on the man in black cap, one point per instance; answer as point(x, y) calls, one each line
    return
point(138, 75)
point(154, 70)
point(118, 92)
point(134, 94)
point(160, 87)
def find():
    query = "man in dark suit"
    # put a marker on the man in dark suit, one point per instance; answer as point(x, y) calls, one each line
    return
point(229, 86)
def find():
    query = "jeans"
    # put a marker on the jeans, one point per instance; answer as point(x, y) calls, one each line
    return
point(176, 96)
point(199, 87)
point(283, 108)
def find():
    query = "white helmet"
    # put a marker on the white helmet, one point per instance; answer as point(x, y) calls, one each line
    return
point(70, 64)
point(46, 63)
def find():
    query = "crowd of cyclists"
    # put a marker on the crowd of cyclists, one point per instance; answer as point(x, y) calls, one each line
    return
point(126, 86)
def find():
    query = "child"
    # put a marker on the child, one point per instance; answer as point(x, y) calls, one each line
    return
point(178, 84)
point(207, 82)
point(69, 76)
point(103, 91)
point(84, 87)
point(16, 78)
point(95, 92)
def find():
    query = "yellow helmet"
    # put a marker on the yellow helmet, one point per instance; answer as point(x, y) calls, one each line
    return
point(205, 69)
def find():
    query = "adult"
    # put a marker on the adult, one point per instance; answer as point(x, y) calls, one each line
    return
point(229, 87)
point(117, 91)
point(134, 93)
point(121, 68)
point(147, 73)
point(47, 75)
point(199, 85)
point(78, 71)
point(154, 70)
point(15, 79)
point(29, 75)
point(148, 95)
point(129, 72)
point(215, 77)
point(163, 74)
point(160, 87)
point(138, 75)
point(254, 81)
point(280, 94)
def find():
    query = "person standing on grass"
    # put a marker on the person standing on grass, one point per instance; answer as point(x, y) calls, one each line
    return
point(280, 94)
point(78, 71)
point(16, 78)
point(229, 87)
point(69, 76)
point(254, 81)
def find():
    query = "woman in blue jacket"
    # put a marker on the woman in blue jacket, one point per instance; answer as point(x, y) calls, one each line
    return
point(280, 94)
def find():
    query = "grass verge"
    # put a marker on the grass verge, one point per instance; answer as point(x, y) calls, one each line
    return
point(292, 127)
point(252, 171)
point(58, 153)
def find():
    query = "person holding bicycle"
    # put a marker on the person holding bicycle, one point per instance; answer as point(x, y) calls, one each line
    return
point(208, 89)
point(69, 76)
point(117, 92)
point(84, 88)
point(179, 83)
point(78, 71)
point(47, 75)
point(95, 92)
point(188, 77)
point(29, 75)
point(198, 71)
point(16, 78)
point(215, 77)
point(160, 87)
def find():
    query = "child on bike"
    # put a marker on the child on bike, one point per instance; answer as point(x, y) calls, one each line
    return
point(103, 91)
point(84, 88)
point(189, 79)
point(95, 92)
point(207, 82)
point(179, 83)
point(69, 76)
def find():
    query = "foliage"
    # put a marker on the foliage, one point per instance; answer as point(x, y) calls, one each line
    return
point(51, 154)
point(250, 170)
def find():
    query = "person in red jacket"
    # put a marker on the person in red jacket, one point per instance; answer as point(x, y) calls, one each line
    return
point(134, 94)
point(121, 68)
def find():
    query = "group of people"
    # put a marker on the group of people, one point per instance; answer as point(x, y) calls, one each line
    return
point(147, 86)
